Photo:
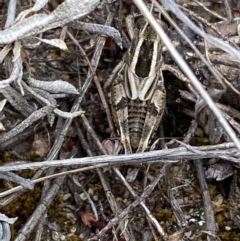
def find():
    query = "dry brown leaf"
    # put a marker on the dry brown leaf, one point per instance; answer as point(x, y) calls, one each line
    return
point(40, 145)
point(217, 203)
point(87, 218)
point(112, 146)
point(177, 235)
point(220, 170)
point(55, 42)
point(218, 200)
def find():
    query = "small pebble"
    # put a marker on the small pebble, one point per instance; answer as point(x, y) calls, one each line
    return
point(126, 194)
point(81, 235)
point(83, 196)
point(90, 191)
point(55, 235)
point(66, 196)
point(62, 237)
point(81, 178)
point(227, 228)
point(95, 198)
point(71, 216)
point(73, 230)
point(118, 199)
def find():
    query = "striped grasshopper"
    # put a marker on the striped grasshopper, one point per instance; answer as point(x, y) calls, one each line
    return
point(137, 91)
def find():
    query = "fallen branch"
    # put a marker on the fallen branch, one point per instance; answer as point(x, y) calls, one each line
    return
point(225, 151)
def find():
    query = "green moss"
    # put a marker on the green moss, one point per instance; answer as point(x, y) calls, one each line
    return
point(118, 190)
point(74, 238)
point(222, 217)
point(65, 222)
point(164, 215)
point(98, 188)
point(202, 141)
point(24, 205)
point(202, 237)
point(54, 209)
point(229, 236)
point(6, 157)
point(212, 190)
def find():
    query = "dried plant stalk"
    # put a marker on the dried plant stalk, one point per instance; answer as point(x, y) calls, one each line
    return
point(27, 122)
point(66, 12)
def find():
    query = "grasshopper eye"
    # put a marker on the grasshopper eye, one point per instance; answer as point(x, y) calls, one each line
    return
point(197, 72)
point(178, 100)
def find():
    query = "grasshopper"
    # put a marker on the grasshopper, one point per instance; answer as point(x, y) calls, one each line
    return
point(137, 94)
